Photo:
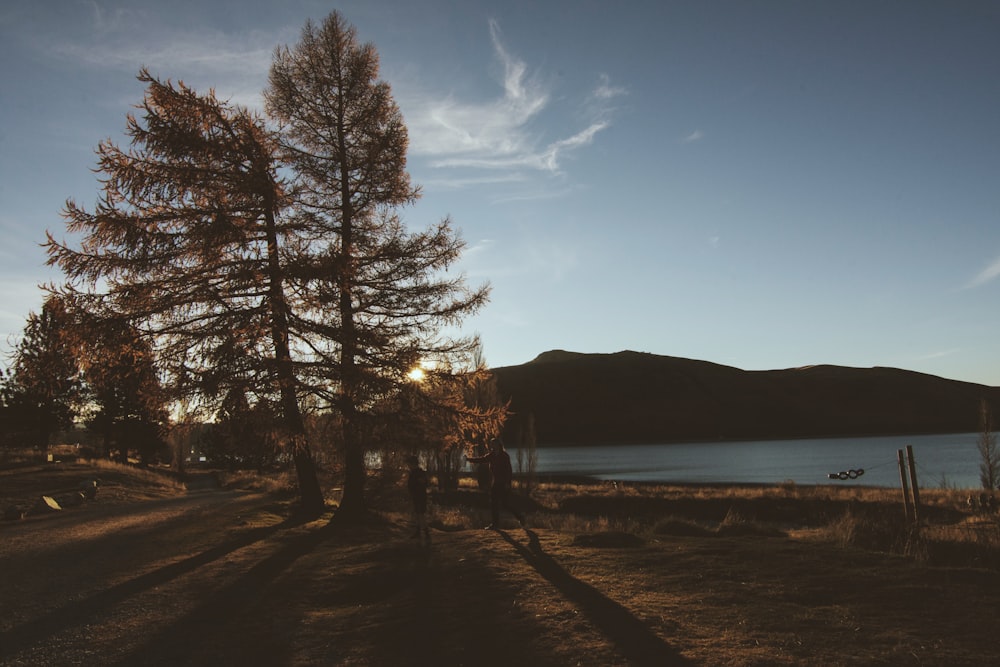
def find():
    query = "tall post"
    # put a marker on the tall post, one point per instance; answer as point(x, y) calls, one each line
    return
point(913, 482)
point(907, 510)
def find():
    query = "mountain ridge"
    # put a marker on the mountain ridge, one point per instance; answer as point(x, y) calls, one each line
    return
point(630, 396)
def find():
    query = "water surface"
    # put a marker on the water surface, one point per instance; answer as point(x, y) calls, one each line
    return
point(951, 460)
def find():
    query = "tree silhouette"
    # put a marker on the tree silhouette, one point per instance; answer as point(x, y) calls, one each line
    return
point(187, 243)
point(305, 291)
point(43, 388)
point(446, 415)
point(989, 453)
point(383, 291)
point(122, 384)
point(241, 437)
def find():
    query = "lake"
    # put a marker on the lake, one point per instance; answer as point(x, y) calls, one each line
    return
point(942, 460)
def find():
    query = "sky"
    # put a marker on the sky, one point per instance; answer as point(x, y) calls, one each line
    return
point(766, 184)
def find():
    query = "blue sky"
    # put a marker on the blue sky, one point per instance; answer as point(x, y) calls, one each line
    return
point(759, 184)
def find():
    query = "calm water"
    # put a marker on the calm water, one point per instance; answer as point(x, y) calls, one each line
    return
point(951, 460)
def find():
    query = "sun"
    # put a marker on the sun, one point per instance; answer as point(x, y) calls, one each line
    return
point(417, 374)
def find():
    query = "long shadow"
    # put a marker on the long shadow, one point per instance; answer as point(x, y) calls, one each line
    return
point(632, 637)
point(451, 608)
point(180, 642)
point(82, 516)
point(83, 611)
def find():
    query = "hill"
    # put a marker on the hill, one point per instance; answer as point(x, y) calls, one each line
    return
point(639, 397)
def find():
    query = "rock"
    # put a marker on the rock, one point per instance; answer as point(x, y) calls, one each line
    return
point(71, 499)
point(89, 488)
point(48, 504)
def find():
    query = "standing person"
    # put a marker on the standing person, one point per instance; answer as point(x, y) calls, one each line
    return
point(416, 483)
point(501, 475)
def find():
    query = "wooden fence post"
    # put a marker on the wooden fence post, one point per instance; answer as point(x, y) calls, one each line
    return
point(915, 488)
point(907, 511)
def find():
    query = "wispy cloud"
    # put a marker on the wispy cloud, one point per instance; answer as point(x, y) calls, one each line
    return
point(539, 258)
point(513, 136)
point(939, 354)
point(506, 133)
point(480, 247)
point(988, 274)
point(524, 96)
point(538, 193)
point(463, 181)
point(605, 91)
point(697, 135)
point(234, 64)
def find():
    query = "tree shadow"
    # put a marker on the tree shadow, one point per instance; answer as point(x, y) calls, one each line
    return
point(636, 641)
point(83, 611)
point(450, 607)
point(192, 639)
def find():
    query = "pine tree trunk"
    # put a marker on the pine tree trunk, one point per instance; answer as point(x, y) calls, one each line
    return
point(310, 492)
point(305, 467)
point(352, 504)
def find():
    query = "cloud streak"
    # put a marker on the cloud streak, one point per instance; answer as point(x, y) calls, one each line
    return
point(507, 133)
point(548, 259)
point(236, 65)
point(987, 275)
point(509, 138)
point(940, 354)
point(605, 91)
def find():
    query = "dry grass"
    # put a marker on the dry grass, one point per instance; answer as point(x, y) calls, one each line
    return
point(604, 575)
point(277, 483)
point(949, 534)
point(22, 486)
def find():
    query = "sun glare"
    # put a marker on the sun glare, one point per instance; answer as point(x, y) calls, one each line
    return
point(417, 374)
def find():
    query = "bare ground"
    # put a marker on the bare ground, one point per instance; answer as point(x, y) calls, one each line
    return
point(152, 575)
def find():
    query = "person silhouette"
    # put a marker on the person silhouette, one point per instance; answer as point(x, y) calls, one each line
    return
point(416, 484)
point(501, 476)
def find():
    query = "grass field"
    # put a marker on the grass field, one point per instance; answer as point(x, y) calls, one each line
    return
point(603, 574)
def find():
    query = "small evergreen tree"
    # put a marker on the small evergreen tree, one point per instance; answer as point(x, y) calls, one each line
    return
point(122, 384)
point(243, 435)
point(43, 389)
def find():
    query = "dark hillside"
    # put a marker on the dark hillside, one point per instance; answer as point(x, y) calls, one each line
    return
point(638, 397)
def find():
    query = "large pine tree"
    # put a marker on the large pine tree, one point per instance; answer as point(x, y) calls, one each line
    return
point(384, 291)
point(188, 243)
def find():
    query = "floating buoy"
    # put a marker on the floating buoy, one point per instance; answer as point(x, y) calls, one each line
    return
point(847, 474)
